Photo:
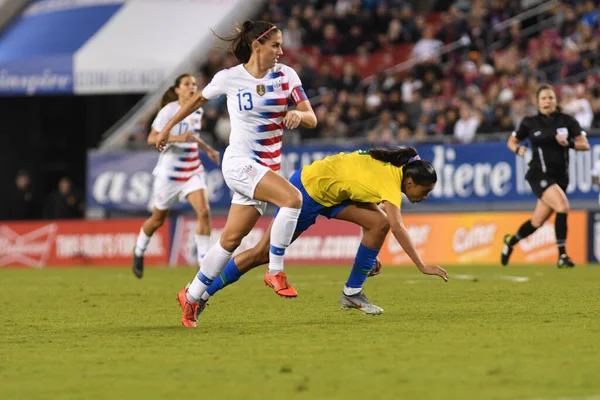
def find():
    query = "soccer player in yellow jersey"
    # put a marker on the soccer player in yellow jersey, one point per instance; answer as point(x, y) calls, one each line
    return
point(349, 187)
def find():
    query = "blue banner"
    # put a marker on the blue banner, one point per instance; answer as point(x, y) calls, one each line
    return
point(38, 48)
point(476, 173)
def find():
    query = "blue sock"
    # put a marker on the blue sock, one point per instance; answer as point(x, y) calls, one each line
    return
point(363, 264)
point(229, 275)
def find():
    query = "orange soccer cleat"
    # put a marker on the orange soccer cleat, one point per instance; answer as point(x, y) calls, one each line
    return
point(279, 283)
point(189, 316)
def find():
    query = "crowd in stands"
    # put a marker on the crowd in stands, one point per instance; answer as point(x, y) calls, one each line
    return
point(343, 51)
point(24, 200)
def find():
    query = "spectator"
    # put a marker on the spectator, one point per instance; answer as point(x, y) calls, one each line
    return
point(466, 126)
point(65, 203)
point(23, 202)
point(426, 47)
point(293, 34)
point(578, 107)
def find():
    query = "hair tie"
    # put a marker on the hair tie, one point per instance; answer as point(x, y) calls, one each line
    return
point(266, 32)
point(415, 158)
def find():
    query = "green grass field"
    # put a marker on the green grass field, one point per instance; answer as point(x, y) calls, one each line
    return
point(102, 334)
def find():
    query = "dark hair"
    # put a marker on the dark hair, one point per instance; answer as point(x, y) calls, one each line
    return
point(170, 95)
point(420, 171)
point(397, 157)
point(248, 32)
point(546, 86)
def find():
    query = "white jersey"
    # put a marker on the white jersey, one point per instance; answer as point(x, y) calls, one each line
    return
point(178, 161)
point(256, 110)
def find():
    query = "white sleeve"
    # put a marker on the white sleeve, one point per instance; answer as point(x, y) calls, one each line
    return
point(596, 170)
point(217, 86)
point(161, 119)
point(294, 80)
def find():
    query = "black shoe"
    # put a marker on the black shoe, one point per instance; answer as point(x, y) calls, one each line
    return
point(507, 250)
point(138, 266)
point(201, 306)
point(565, 262)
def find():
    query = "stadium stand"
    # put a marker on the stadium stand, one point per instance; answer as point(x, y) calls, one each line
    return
point(379, 72)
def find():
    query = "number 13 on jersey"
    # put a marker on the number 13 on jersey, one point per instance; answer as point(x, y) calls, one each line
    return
point(245, 101)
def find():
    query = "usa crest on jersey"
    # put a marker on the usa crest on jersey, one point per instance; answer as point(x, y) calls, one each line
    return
point(277, 87)
point(261, 90)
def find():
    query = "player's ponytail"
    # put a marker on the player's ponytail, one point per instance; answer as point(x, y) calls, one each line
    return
point(420, 171)
point(397, 157)
point(248, 32)
point(171, 95)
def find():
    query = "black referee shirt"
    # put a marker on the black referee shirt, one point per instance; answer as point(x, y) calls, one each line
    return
point(548, 156)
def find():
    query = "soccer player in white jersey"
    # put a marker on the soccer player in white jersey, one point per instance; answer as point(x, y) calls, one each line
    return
point(179, 173)
point(257, 93)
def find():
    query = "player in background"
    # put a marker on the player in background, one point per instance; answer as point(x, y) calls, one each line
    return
point(349, 187)
point(551, 134)
point(179, 173)
point(257, 93)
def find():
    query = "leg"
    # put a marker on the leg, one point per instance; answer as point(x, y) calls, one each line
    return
point(541, 213)
point(242, 263)
point(274, 189)
point(199, 203)
point(555, 197)
point(240, 221)
point(156, 220)
point(375, 229)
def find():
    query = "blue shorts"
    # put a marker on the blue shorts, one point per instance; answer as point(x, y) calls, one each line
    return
point(310, 208)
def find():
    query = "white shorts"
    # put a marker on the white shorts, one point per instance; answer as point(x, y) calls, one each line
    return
point(242, 175)
point(167, 192)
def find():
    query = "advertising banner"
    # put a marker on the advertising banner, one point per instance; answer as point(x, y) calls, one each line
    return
point(594, 236)
point(326, 242)
point(476, 239)
point(77, 243)
point(469, 174)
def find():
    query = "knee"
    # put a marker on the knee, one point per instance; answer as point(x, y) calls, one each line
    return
point(380, 226)
point(231, 241)
point(156, 222)
point(293, 200)
point(563, 207)
point(203, 215)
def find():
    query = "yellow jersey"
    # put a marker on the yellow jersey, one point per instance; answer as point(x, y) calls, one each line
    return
point(352, 176)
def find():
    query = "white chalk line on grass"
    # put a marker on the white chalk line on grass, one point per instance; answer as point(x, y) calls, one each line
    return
point(592, 397)
point(409, 279)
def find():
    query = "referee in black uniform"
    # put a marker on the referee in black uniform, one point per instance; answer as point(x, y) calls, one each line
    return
point(551, 134)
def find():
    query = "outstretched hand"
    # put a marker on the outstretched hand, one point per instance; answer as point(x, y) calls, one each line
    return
point(435, 270)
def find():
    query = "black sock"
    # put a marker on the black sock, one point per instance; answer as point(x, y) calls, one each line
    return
point(525, 230)
point(560, 226)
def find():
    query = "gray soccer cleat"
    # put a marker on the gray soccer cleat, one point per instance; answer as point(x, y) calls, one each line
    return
point(360, 302)
point(565, 262)
point(138, 266)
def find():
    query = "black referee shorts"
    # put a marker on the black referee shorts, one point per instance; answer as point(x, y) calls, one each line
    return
point(540, 181)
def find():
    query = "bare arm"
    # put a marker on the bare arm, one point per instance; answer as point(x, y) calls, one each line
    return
point(401, 235)
point(189, 107)
point(514, 145)
point(302, 115)
point(581, 143)
point(172, 139)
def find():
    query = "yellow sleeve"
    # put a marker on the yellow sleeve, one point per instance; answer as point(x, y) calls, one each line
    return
point(391, 191)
